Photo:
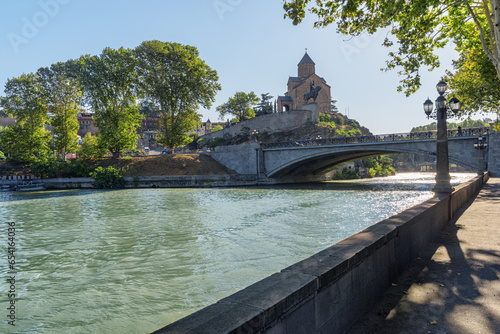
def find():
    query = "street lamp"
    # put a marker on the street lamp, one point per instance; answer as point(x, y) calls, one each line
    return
point(480, 145)
point(441, 113)
point(255, 133)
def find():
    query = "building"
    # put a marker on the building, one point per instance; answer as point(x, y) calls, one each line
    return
point(86, 122)
point(206, 127)
point(305, 81)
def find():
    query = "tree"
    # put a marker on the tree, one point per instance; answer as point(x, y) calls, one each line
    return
point(63, 97)
point(475, 82)
point(240, 106)
point(217, 128)
point(265, 105)
point(333, 106)
point(109, 82)
point(420, 28)
point(91, 148)
point(466, 124)
point(175, 80)
point(27, 140)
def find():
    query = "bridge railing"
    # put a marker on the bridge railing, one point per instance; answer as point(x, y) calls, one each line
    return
point(469, 132)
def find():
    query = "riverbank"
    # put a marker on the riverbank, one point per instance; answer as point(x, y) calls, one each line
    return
point(162, 165)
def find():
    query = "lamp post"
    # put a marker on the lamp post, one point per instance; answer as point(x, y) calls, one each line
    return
point(480, 145)
point(441, 113)
point(255, 133)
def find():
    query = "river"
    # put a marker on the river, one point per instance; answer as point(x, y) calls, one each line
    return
point(132, 261)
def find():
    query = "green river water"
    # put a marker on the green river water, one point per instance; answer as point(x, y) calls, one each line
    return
point(132, 261)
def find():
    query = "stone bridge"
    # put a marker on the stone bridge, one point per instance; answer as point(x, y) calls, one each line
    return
point(317, 157)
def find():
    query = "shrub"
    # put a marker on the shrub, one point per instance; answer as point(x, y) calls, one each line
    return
point(215, 142)
point(48, 167)
point(346, 174)
point(108, 178)
point(52, 167)
point(76, 168)
point(372, 172)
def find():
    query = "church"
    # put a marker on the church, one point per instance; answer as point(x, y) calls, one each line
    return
point(305, 82)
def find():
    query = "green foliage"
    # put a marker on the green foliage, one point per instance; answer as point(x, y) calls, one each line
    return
point(64, 98)
point(2, 156)
point(474, 83)
point(425, 128)
point(324, 117)
point(345, 174)
point(26, 100)
point(381, 166)
point(468, 123)
point(175, 79)
point(108, 178)
point(215, 142)
point(372, 172)
point(109, 83)
point(342, 126)
point(265, 105)
point(91, 148)
point(24, 146)
point(333, 106)
point(54, 167)
point(419, 28)
point(176, 129)
point(217, 128)
point(240, 105)
point(2, 131)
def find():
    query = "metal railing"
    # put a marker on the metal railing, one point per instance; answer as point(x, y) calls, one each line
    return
point(470, 132)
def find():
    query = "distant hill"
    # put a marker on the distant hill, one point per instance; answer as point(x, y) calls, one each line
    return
point(452, 126)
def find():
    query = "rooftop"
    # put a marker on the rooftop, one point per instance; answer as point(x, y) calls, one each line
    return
point(306, 60)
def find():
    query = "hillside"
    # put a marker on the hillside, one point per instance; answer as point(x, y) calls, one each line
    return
point(334, 125)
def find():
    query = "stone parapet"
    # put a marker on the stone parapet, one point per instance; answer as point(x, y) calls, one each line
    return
point(494, 153)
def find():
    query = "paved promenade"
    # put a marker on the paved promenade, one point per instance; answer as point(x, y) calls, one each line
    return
point(455, 287)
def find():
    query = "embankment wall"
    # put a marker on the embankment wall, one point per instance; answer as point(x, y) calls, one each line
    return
point(270, 122)
point(329, 291)
point(198, 181)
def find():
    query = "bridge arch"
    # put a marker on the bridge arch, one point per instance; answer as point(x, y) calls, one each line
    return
point(318, 160)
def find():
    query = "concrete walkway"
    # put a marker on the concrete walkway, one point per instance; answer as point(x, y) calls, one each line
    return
point(455, 286)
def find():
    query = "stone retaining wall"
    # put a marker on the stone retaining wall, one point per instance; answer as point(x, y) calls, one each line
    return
point(198, 181)
point(328, 292)
point(270, 122)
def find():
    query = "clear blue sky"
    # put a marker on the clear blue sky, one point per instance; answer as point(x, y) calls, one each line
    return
point(247, 42)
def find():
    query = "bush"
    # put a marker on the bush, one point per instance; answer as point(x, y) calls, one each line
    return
point(215, 142)
point(346, 174)
point(77, 168)
point(53, 167)
point(372, 172)
point(108, 178)
point(324, 117)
